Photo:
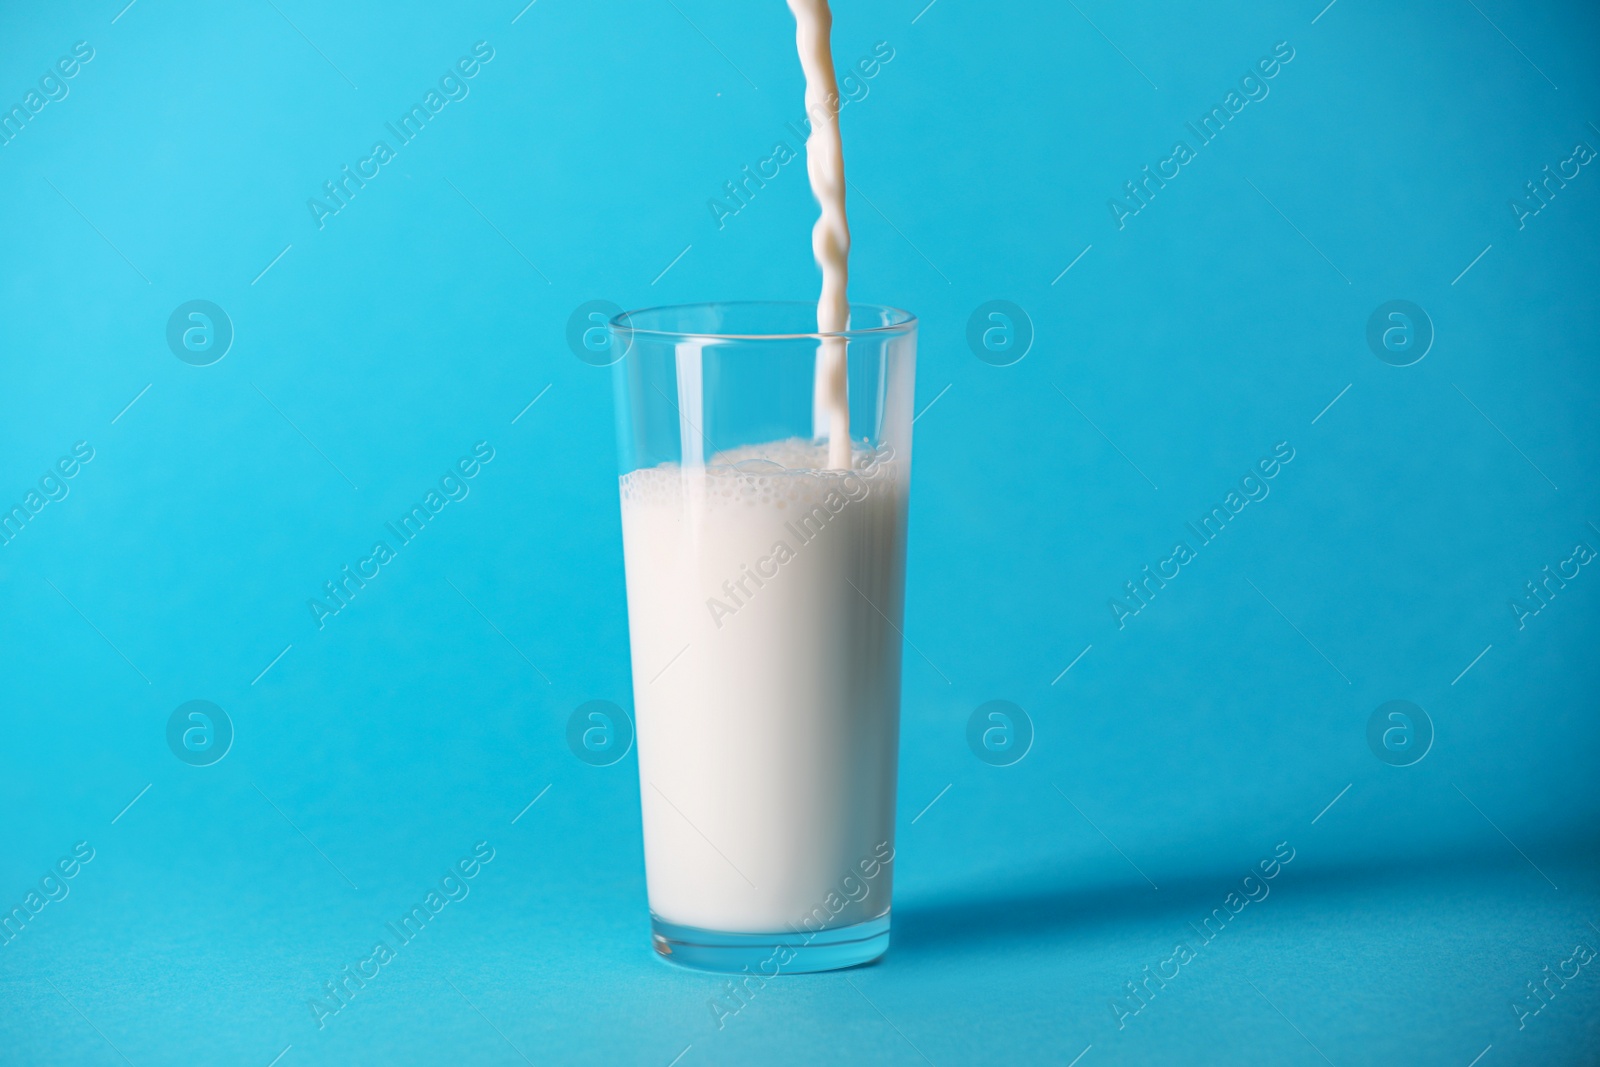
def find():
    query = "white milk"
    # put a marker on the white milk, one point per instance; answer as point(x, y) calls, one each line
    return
point(830, 237)
point(766, 682)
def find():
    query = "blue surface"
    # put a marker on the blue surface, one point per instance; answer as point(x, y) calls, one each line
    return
point(371, 755)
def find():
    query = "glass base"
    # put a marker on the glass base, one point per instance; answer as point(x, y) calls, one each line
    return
point(765, 954)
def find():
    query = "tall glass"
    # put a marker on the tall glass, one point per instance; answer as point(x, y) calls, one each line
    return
point(765, 597)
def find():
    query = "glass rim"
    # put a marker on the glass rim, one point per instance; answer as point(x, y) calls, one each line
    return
point(903, 321)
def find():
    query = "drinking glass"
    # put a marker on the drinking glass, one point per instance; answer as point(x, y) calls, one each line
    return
point(765, 599)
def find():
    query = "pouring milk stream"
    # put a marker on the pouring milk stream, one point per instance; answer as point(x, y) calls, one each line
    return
point(830, 237)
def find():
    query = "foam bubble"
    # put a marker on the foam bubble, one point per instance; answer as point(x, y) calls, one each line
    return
point(792, 471)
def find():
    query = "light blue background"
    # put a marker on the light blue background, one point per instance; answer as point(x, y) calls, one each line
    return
point(429, 312)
